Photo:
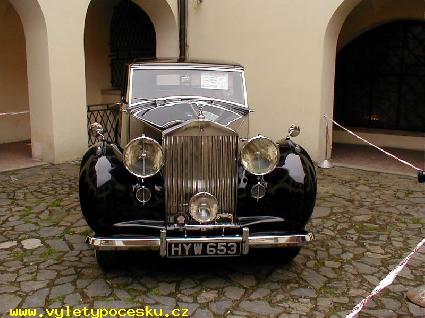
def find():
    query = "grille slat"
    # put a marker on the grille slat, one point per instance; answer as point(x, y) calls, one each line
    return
point(200, 163)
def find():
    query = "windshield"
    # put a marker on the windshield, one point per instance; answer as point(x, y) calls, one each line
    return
point(226, 85)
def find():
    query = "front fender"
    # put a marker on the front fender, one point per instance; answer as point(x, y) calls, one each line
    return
point(107, 193)
point(291, 190)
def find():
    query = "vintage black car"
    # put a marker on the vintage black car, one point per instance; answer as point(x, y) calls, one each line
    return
point(186, 179)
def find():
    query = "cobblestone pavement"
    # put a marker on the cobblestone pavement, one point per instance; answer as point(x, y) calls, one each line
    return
point(365, 224)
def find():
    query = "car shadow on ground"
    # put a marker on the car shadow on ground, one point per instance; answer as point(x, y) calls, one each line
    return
point(140, 263)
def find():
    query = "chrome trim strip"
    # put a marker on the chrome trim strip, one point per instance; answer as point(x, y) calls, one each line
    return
point(128, 243)
point(216, 239)
point(251, 220)
point(159, 243)
point(163, 243)
point(220, 68)
point(245, 240)
point(265, 241)
point(203, 227)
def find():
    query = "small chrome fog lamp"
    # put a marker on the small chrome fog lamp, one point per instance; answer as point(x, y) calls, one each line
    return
point(203, 207)
point(143, 194)
point(143, 157)
point(258, 191)
point(260, 155)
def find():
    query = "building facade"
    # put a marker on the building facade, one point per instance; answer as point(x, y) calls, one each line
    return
point(60, 56)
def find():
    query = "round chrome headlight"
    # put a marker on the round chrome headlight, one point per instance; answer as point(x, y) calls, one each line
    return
point(143, 157)
point(260, 155)
point(203, 207)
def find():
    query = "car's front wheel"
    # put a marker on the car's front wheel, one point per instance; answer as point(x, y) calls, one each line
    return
point(106, 259)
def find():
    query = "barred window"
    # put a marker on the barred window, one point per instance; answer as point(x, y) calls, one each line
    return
point(380, 78)
point(132, 37)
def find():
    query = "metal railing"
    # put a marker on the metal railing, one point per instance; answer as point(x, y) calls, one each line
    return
point(108, 115)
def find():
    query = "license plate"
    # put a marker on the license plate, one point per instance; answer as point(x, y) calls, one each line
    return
point(203, 249)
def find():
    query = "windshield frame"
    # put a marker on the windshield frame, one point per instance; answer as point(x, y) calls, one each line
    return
point(184, 66)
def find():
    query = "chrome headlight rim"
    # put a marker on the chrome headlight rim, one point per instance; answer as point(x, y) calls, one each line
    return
point(125, 156)
point(273, 164)
point(204, 195)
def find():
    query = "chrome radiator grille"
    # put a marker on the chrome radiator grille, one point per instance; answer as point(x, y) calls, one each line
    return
point(196, 163)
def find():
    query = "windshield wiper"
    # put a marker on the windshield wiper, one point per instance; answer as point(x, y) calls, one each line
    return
point(143, 103)
point(234, 106)
point(147, 103)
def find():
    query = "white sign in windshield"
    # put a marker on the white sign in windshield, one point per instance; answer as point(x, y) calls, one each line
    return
point(167, 79)
point(215, 80)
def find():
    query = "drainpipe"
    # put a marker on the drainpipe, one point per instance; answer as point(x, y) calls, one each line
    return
point(182, 6)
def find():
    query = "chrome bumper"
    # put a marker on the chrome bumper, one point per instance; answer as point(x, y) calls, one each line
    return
point(159, 243)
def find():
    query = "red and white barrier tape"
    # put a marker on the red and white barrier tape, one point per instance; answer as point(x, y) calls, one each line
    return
point(14, 113)
point(374, 146)
point(385, 282)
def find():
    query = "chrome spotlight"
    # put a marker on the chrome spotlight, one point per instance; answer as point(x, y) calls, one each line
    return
point(143, 157)
point(260, 155)
point(203, 207)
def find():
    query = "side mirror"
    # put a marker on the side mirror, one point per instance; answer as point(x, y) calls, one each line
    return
point(96, 130)
point(294, 130)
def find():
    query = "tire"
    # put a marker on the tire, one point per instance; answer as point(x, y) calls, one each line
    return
point(277, 256)
point(106, 259)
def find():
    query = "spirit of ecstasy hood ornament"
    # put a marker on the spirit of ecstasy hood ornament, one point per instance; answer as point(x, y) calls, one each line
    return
point(201, 113)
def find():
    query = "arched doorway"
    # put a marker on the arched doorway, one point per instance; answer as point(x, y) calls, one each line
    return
point(365, 21)
point(380, 79)
point(15, 132)
point(132, 36)
point(116, 33)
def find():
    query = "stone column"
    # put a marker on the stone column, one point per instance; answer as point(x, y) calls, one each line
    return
point(65, 22)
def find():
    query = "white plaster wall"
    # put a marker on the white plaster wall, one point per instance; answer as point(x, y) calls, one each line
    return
point(13, 76)
point(288, 49)
point(281, 45)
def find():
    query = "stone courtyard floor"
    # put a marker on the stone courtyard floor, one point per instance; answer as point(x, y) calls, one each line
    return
point(365, 223)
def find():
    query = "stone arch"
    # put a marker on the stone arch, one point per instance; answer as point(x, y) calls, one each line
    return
point(379, 79)
point(97, 50)
point(350, 11)
point(328, 71)
point(164, 18)
point(39, 84)
point(13, 78)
